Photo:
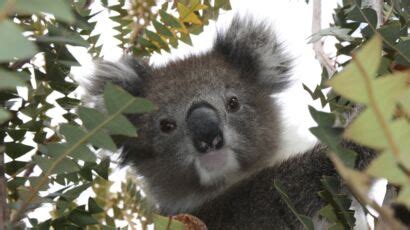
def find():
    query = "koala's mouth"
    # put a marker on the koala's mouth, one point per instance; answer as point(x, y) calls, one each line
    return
point(214, 166)
point(214, 160)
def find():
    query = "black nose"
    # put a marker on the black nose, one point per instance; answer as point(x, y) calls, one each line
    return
point(203, 125)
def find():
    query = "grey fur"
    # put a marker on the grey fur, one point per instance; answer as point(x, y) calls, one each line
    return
point(246, 62)
point(256, 203)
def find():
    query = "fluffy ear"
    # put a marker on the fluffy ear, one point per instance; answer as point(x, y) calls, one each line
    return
point(252, 47)
point(127, 73)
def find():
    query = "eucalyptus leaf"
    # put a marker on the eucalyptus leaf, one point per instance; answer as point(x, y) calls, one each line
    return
point(75, 192)
point(10, 80)
point(59, 8)
point(16, 150)
point(386, 166)
point(4, 115)
point(13, 44)
point(116, 98)
point(82, 218)
point(65, 166)
point(353, 81)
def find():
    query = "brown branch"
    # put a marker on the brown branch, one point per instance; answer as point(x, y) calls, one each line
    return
point(4, 215)
point(6, 10)
point(390, 12)
point(318, 45)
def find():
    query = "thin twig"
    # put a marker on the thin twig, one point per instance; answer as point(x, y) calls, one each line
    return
point(7, 9)
point(4, 215)
point(389, 13)
point(318, 45)
point(386, 213)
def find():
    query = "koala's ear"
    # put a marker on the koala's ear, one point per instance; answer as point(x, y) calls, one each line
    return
point(252, 47)
point(128, 73)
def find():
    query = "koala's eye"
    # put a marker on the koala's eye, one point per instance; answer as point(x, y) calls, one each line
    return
point(233, 104)
point(167, 125)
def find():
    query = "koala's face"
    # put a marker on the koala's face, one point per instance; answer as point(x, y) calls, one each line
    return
point(212, 126)
point(216, 123)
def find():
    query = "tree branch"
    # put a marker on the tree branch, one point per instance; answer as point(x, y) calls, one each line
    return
point(318, 45)
point(4, 215)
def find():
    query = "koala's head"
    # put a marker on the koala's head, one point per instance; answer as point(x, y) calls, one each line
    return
point(216, 123)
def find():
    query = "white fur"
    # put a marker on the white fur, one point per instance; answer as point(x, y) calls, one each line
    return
point(208, 177)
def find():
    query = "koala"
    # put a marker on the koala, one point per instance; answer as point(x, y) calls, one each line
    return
point(211, 148)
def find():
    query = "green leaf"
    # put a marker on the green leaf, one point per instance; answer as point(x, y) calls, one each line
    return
point(85, 154)
point(390, 31)
point(322, 118)
point(4, 115)
point(404, 48)
point(385, 166)
point(81, 218)
point(13, 167)
point(103, 168)
point(13, 44)
point(328, 212)
point(366, 130)
point(405, 101)
point(102, 140)
point(338, 32)
point(366, 15)
point(17, 134)
point(340, 203)
point(157, 39)
point(10, 80)
point(304, 220)
point(331, 136)
point(68, 103)
point(169, 20)
point(65, 166)
point(71, 40)
point(59, 8)
point(224, 4)
point(116, 97)
point(74, 193)
point(161, 29)
point(93, 207)
point(118, 126)
point(15, 150)
point(353, 81)
point(72, 134)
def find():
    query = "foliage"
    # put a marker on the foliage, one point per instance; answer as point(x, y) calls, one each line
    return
point(49, 161)
point(376, 78)
point(52, 160)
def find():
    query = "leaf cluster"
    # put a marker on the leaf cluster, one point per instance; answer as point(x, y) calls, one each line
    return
point(375, 78)
point(48, 139)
